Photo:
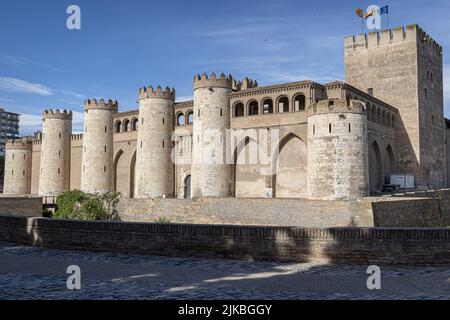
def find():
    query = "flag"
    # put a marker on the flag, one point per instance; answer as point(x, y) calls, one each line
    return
point(368, 14)
point(359, 12)
point(384, 10)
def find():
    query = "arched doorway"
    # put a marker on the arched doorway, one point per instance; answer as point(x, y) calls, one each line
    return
point(389, 164)
point(375, 167)
point(187, 187)
point(249, 182)
point(290, 173)
point(132, 176)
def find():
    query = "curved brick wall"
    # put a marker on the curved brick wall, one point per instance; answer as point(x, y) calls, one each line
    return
point(54, 176)
point(340, 245)
point(18, 167)
point(337, 151)
point(154, 166)
point(211, 176)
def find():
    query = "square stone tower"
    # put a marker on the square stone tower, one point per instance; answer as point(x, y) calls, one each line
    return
point(403, 67)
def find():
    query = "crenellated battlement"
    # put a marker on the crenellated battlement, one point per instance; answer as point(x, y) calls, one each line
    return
point(245, 84)
point(75, 137)
point(19, 143)
point(57, 114)
point(159, 93)
point(336, 106)
point(101, 104)
point(213, 81)
point(412, 33)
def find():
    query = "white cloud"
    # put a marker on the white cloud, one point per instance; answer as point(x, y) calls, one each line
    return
point(20, 61)
point(17, 85)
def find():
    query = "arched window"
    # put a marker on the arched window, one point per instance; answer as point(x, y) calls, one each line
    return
point(239, 110)
point(300, 102)
point(379, 116)
point(267, 106)
point(190, 117)
point(374, 114)
point(126, 125)
point(180, 119)
point(388, 123)
point(283, 104)
point(118, 127)
point(384, 119)
point(253, 108)
point(134, 124)
point(369, 112)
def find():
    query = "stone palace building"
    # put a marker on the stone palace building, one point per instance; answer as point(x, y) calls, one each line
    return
point(334, 141)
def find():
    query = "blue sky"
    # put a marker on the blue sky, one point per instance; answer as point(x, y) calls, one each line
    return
point(123, 45)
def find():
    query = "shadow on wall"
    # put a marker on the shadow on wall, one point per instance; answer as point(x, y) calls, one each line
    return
point(230, 242)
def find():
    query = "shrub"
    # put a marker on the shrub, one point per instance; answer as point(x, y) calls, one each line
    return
point(84, 206)
point(162, 220)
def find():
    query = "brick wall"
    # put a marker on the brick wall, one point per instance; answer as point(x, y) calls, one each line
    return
point(349, 245)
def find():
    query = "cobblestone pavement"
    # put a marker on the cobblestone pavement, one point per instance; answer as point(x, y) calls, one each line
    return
point(37, 273)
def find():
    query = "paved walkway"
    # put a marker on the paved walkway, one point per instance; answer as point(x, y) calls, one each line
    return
point(37, 273)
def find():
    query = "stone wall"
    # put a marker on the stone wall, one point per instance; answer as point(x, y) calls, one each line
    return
point(20, 206)
point(370, 212)
point(346, 245)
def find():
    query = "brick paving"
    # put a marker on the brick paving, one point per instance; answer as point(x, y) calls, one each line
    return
point(38, 273)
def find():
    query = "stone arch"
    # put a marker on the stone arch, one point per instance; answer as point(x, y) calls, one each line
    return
point(369, 112)
point(389, 164)
point(253, 108)
point(379, 116)
point(283, 104)
point(289, 163)
point(374, 113)
point(181, 120)
point(384, 118)
point(299, 102)
point(187, 186)
point(133, 176)
point(375, 167)
point(134, 124)
point(190, 117)
point(126, 125)
point(267, 104)
point(118, 174)
point(238, 110)
point(118, 126)
point(247, 177)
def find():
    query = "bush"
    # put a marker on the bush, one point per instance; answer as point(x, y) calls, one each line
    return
point(162, 220)
point(85, 206)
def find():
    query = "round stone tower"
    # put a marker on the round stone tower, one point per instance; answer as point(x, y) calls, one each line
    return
point(337, 150)
point(97, 158)
point(154, 165)
point(54, 175)
point(18, 167)
point(211, 170)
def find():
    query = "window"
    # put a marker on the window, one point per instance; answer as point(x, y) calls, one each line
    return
point(253, 108)
point(283, 104)
point(267, 106)
point(329, 128)
point(300, 102)
point(370, 92)
point(239, 110)
point(190, 117)
point(180, 119)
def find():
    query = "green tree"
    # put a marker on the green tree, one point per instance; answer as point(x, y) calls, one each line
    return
point(79, 205)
